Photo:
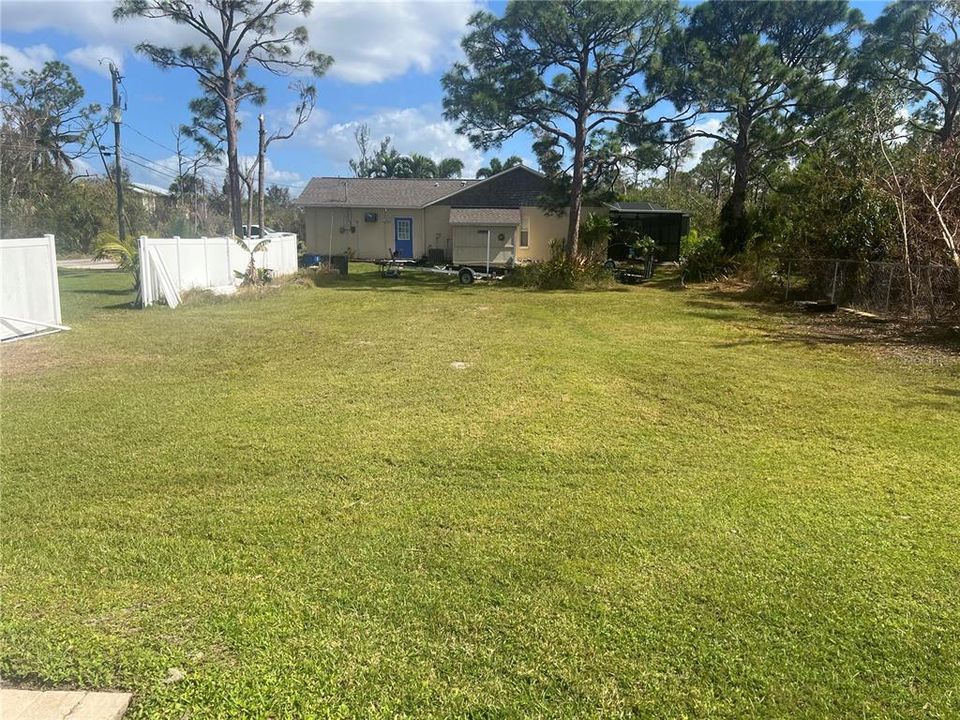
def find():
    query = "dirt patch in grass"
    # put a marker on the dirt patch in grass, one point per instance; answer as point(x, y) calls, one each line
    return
point(905, 340)
point(28, 357)
point(33, 358)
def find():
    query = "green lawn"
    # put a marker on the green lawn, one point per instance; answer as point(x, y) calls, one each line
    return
point(647, 502)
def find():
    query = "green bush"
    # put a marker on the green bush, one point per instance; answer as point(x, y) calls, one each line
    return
point(702, 257)
point(561, 274)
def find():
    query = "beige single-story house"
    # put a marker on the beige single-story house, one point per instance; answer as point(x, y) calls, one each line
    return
point(442, 220)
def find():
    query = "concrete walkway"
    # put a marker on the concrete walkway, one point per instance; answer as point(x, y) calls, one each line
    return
point(61, 705)
point(87, 264)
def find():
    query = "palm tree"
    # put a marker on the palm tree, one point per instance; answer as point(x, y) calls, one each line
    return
point(449, 168)
point(420, 166)
point(498, 166)
point(252, 276)
point(124, 252)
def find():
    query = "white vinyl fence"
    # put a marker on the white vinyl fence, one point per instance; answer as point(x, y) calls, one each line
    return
point(169, 266)
point(29, 290)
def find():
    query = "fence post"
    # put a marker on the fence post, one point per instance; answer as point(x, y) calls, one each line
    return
point(146, 298)
point(206, 261)
point(786, 294)
point(833, 288)
point(886, 305)
point(933, 300)
point(176, 239)
point(54, 279)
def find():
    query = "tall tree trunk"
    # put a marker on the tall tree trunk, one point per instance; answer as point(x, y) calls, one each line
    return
point(261, 158)
point(733, 216)
point(250, 208)
point(576, 196)
point(579, 152)
point(949, 115)
point(233, 165)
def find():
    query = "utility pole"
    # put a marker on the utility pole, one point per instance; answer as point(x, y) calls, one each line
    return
point(261, 156)
point(116, 116)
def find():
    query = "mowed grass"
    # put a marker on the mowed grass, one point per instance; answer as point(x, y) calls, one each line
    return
point(645, 502)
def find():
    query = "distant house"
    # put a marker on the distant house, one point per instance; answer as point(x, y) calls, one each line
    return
point(149, 195)
point(443, 220)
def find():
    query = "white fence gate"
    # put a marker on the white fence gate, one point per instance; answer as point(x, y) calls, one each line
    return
point(184, 263)
point(29, 290)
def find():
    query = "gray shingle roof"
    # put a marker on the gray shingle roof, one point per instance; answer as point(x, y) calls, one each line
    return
point(484, 216)
point(377, 192)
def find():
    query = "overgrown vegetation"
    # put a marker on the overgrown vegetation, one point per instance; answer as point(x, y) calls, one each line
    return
point(561, 274)
point(832, 137)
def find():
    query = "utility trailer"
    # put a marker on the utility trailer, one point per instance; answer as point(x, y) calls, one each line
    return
point(466, 274)
point(476, 256)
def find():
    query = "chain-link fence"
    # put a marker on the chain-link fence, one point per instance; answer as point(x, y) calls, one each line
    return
point(884, 288)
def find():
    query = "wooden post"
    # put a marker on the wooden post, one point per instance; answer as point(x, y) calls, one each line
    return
point(833, 288)
point(786, 294)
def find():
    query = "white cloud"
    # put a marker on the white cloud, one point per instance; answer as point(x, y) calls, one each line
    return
point(271, 173)
point(90, 21)
point(420, 130)
point(95, 57)
point(28, 58)
point(369, 41)
point(373, 41)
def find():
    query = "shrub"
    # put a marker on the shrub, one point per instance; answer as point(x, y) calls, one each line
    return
point(125, 253)
point(561, 274)
point(595, 234)
point(702, 257)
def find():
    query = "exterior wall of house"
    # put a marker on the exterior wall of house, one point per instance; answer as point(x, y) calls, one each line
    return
point(436, 230)
point(470, 244)
point(431, 229)
point(340, 230)
point(543, 228)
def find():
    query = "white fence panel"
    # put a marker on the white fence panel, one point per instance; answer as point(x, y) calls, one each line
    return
point(211, 262)
point(29, 289)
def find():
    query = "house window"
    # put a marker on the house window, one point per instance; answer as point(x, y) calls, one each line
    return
point(524, 238)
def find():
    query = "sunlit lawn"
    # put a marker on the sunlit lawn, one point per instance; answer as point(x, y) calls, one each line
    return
point(646, 502)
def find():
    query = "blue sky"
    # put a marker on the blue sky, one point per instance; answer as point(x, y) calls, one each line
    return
point(389, 57)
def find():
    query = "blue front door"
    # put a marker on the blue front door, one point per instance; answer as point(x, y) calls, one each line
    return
point(403, 237)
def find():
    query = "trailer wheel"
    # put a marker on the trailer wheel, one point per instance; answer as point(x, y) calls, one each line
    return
point(610, 264)
point(466, 276)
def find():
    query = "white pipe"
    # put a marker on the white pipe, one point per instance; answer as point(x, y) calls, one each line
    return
point(55, 326)
point(488, 251)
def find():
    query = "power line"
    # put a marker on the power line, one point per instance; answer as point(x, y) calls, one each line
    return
point(150, 139)
point(151, 169)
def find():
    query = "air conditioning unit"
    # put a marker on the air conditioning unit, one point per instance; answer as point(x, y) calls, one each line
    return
point(370, 217)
